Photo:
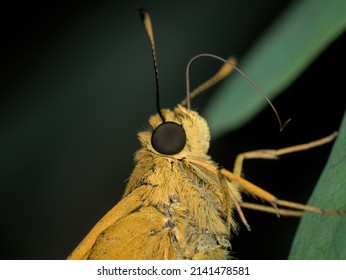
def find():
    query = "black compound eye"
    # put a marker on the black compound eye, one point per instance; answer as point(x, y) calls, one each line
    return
point(168, 138)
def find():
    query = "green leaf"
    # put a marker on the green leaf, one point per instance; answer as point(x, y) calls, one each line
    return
point(322, 236)
point(297, 37)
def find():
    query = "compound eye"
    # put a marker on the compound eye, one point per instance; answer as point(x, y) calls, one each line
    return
point(168, 138)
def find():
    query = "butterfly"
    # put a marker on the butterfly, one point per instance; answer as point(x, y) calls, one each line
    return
point(179, 203)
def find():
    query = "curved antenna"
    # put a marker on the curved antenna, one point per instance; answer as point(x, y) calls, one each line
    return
point(188, 96)
point(149, 30)
point(223, 72)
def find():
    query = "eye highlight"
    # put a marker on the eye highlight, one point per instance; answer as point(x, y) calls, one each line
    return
point(169, 138)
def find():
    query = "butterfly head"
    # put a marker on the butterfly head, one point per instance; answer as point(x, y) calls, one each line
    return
point(184, 133)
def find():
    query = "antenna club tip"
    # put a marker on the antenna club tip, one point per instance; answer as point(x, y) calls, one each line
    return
point(284, 125)
point(142, 12)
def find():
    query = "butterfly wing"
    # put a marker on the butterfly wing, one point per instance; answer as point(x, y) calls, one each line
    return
point(129, 231)
point(143, 234)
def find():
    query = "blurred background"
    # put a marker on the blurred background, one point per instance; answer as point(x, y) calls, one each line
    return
point(77, 85)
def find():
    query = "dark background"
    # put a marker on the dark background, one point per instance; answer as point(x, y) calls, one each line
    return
point(77, 85)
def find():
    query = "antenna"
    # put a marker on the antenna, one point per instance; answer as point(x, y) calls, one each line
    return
point(221, 73)
point(149, 30)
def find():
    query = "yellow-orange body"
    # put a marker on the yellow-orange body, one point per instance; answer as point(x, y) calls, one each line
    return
point(171, 208)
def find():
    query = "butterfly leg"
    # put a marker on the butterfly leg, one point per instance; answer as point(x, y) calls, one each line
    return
point(274, 154)
point(258, 192)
